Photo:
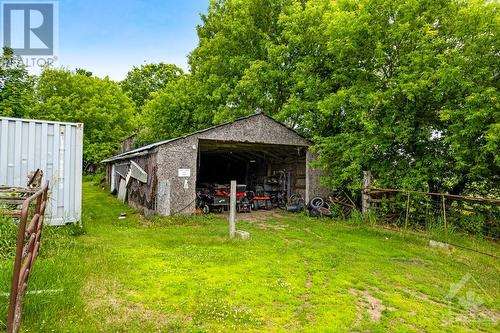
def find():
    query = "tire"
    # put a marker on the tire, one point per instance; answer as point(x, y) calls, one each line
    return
point(294, 198)
point(205, 209)
point(317, 202)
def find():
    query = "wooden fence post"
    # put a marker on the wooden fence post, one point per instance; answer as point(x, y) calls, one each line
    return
point(232, 209)
point(407, 211)
point(365, 196)
point(444, 216)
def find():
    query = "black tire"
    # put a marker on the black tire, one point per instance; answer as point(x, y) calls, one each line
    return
point(205, 209)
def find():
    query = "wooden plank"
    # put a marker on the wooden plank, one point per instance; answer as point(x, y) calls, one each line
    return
point(10, 213)
point(232, 209)
point(367, 181)
point(12, 200)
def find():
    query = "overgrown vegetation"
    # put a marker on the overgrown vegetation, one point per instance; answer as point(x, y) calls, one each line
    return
point(8, 236)
point(406, 89)
point(183, 274)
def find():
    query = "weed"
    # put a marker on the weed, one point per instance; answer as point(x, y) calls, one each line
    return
point(8, 237)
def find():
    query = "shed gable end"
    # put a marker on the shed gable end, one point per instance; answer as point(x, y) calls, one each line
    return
point(255, 129)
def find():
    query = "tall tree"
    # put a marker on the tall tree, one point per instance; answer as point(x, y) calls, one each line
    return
point(170, 113)
point(141, 82)
point(418, 100)
point(407, 89)
point(16, 85)
point(99, 104)
point(233, 35)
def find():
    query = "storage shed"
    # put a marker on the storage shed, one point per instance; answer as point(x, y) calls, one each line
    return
point(56, 148)
point(164, 177)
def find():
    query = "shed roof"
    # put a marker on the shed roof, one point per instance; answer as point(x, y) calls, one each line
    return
point(148, 148)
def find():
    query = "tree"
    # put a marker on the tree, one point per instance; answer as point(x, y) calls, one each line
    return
point(233, 38)
point(407, 89)
point(16, 86)
point(172, 112)
point(141, 82)
point(417, 102)
point(99, 104)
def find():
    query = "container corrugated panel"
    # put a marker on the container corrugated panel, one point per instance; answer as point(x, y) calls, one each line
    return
point(54, 147)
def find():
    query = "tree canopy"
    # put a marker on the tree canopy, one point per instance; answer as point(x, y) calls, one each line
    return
point(16, 85)
point(99, 104)
point(142, 82)
point(406, 89)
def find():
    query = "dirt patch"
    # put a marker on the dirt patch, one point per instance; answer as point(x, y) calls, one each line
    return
point(366, 302)
point(259, 215)
point(267, 226)
point(261, 218)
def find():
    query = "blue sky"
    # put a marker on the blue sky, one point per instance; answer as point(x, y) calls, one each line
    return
point(108, 37)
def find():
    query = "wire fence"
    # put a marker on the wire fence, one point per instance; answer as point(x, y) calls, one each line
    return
point(434, 211)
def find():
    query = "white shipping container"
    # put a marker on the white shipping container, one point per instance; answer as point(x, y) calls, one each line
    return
point(54, 147)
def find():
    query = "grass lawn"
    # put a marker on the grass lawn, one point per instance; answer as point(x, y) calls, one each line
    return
point(295, 274)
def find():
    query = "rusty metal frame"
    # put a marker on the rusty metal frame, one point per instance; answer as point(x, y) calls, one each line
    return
point(27, 248)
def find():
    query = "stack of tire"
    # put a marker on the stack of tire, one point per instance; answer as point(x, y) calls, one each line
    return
point(318, 207)
point(295, 204)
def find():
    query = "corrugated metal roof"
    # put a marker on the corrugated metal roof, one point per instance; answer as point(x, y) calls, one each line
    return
point(147, 149)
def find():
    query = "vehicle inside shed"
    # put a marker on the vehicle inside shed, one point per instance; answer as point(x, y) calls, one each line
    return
point(266, 174)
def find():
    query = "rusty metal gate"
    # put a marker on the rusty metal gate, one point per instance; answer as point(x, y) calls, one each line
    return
point(27, 248)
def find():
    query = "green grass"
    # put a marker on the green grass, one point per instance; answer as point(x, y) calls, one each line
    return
point(295, 274)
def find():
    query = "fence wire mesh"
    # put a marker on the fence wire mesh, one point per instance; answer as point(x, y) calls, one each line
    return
point(432, 211)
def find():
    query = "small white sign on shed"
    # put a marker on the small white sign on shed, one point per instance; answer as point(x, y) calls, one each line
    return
point(184, 173)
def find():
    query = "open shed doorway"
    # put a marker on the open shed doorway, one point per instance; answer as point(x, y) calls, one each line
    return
point(267, 175)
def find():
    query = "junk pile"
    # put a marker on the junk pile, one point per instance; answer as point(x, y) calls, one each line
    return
point(318, 207)
point(11, 198)
point(214, 198)
point(338, 204)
